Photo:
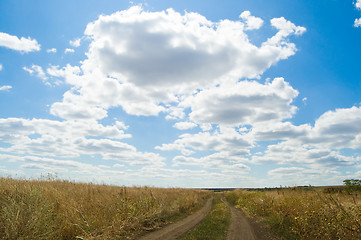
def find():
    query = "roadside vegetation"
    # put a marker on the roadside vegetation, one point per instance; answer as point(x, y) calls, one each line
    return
point(66, 210)
point(215, 225)
point(305, 212)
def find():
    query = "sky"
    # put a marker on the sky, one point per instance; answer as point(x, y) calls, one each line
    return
point(181, 93)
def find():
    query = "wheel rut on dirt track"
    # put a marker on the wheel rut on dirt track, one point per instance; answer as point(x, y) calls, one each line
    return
point(240, 228)
point(178, 229)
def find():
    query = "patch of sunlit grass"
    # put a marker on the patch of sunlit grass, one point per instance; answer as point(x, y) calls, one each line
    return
point(66, 210)
point(298, 214)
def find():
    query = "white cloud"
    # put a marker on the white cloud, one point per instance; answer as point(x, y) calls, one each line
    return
point(337, 129)
point(69, 50)
point(22, 44)
point(242, 103)
point(357, 22)
point(279, 131)
point(81, 111)
point(51, 50)
point(221, 160)
point(358, 4)
point(185, 125)
point(294, 153)
point(75, 42)
point(5, 88)
point(316, 146)
point(251, 21)
point(147, 62)
point(223, 139)
point(37, 70)
point(296, 176)
point(71, 139)
point(52, 75)
point(1, 67)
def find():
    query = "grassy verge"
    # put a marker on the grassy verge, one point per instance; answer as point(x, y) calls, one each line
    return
point(66, 210)
point(215, 224)
point(299, 214)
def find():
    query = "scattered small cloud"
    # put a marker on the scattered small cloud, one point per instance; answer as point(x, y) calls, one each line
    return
point(304, 100)
point(69, 50)
point(1, 67)
point(37, 71)
point(357, 22)
point(184, 125)
point(251, 21)
point(51, 50)
point(75, 43)
point(23, 44)
point(49, 78)
point(5, 88)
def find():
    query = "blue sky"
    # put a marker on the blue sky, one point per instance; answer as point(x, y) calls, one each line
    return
point(181, 93)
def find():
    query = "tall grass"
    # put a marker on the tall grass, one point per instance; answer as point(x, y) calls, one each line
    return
point(66, 210)
point(299, 214)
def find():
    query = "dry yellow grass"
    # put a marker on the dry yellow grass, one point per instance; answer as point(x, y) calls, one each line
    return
point(296, 213)
point(66, 210)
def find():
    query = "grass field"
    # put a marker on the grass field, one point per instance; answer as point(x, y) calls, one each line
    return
point(304, 213)
point(66, 210)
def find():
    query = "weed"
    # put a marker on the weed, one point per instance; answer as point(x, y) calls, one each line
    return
point(299, 214)
point(56, 209)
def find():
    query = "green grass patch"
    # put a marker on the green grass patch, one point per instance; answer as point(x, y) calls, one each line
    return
point(214, 225)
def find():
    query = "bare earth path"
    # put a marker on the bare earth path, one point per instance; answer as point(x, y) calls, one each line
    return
point(242, 228)
point(178, 229)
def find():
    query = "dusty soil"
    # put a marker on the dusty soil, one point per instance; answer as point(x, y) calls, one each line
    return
point(178, 229)
point(243, 228)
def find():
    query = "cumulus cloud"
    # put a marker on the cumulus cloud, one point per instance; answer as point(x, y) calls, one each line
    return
point(37, 71)
point(315, 146)
point(285, 28)
point(243, 103)
point(292, 153)
point(69, 50)
point(337, 129)
point(304, 176)
point(357, 22)
point(184, 125)
point(280, 131)
point(251, 21)
point(147, 61)
point(23, 44)
point(70, 139)
point(221, 160)
point(51, 50)
point(223, 139)
point(5, 88)
point(1, 67)
point(53, 75)
point(75, 42)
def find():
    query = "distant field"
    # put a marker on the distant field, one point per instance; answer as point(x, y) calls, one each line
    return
point(304, 212)
point(66, 210)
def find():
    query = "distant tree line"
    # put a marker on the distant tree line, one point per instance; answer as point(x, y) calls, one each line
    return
point(352, 185)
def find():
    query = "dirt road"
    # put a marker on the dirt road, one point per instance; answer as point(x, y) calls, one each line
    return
point(242, 228)
point(178, 229)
